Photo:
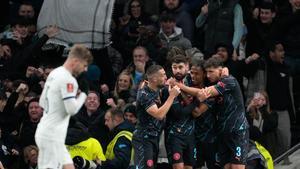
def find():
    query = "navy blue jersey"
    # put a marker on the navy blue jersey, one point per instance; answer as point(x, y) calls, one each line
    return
point(205, 127)
point(147, 124)
point(230, 106)
point(179, 118)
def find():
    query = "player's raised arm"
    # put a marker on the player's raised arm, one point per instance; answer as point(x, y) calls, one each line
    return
point(161, 112)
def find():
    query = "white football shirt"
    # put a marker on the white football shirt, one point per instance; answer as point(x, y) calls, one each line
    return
point(60, 85)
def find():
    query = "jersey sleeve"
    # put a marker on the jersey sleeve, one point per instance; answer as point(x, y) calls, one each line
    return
point(68, 88)
point(225, 84)
point(146, 100)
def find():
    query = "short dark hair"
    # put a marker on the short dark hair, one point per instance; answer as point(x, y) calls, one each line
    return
point(198, 63)
point(20, 20)
point(116, 112)
point(228, 47)
point(213, 62)
point(272, 45)
point(35, 99)
point(131, 109)
point(267, 5)
point(179, 59)
point(167, 17)
point(152, 70)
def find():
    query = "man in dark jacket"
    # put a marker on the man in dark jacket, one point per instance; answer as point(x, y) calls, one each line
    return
point(119, 149)
point(279, 93)
point(92, 117)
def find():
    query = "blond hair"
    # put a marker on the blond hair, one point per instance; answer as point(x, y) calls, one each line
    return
point(131, 86)
point(82, 52)
point(27, 150)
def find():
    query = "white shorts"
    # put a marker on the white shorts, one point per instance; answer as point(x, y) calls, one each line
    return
point(52, 154)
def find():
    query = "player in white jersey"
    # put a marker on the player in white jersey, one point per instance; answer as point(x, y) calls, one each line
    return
point(60, 100)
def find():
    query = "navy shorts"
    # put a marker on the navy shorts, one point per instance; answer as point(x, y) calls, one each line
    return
point(145, 151)
point(181, 149)
point(233, 147)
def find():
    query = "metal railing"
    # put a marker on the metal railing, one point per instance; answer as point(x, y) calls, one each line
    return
point(286, 154)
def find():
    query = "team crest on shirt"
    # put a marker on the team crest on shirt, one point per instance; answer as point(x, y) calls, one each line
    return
point(176, 156)
point(221, 84)
point(70, 87)
point(149, 163)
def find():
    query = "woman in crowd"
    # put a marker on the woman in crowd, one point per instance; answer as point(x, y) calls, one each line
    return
point(263, 122)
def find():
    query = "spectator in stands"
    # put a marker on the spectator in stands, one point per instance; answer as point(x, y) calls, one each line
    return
point(15, 108)
point(123, 92)
point(130, 114)
point(7, 150)
point(92, 117)
point(237, 68)
point(149, 38)
point(22, 52)
point(28, 126)
point(91, 109)
point(289, 31)
point(30, 154)
point(141, 62)
point(26, 9)
point(278, 89)
point(170, 34)
point(223, 22)
point(119, 150)
point(18, 32)
point(259, 29)
point(129, 27)
point(116, 60)
point(183, 19)
point(263, 122)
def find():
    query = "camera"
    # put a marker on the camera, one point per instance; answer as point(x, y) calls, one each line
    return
point(81, 163)
point(9, 35)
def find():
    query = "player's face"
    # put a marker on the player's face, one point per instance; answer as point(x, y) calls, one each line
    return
point(81, 66)
point(179, 70)
point(109, 121)
point(123, 82)
point(197, 75)
point(92, 102)
point(35, 111)
point(161, 78)
point(130, 117)
point(213, 74)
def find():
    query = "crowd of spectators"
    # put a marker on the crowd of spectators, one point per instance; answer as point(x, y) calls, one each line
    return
point(258, 41)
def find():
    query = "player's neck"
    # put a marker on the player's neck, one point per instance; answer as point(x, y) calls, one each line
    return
point(67, 65)
point(152, 86)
